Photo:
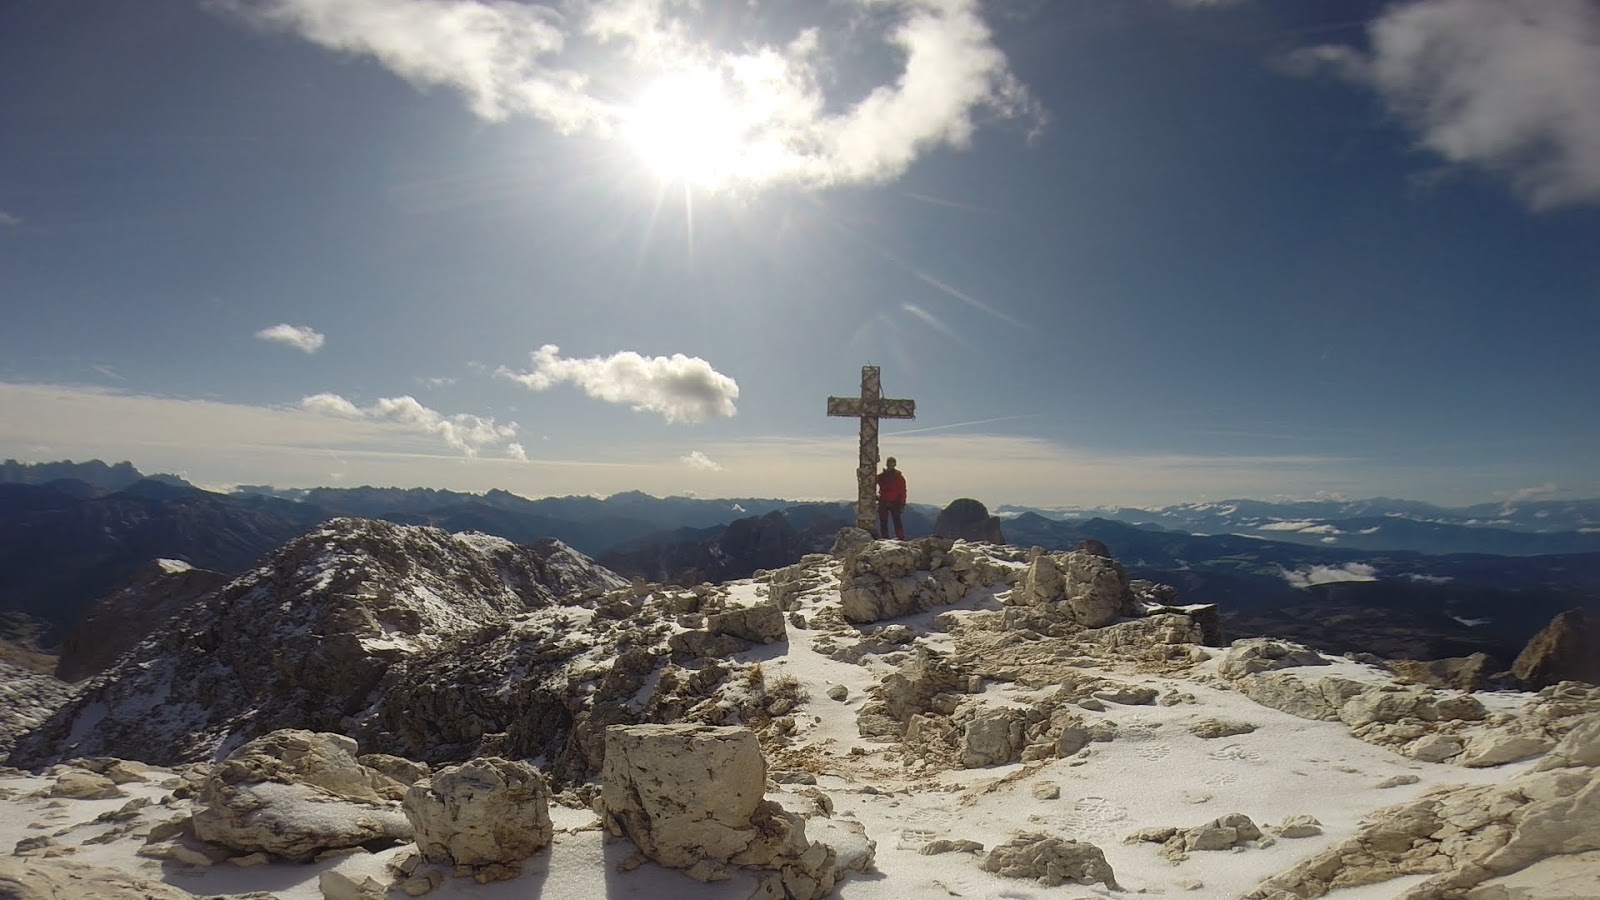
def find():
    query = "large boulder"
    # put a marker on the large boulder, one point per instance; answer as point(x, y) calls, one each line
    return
point(691, 797)
point(683, 793)
point(295, 794)
point(968, 520)
point(1568, 649)
point(489, 814)
point(761, 624)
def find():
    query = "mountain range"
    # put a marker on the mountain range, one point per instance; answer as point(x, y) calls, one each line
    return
point(72, 534)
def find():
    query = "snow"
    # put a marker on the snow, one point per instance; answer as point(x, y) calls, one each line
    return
point(1155, 773)
point(173, 566)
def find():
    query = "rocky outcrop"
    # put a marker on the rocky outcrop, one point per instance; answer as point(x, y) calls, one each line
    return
point(1465, 836)
point(338, 608)
point(888, 579)
point(38, 879)
point(1477, 672)
point(921, 682)
point(1568, 649)
point(692, 798)
point(1255, 655)
point(968, 520)
point(1092, 589)
point(1229, 832)
point(486, 815)
point(294, 794)
point(1051, 861)
point(119, 620)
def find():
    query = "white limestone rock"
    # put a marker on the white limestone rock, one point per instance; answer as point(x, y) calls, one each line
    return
point(487, 812)
point(1251, 656)
point(294, 794)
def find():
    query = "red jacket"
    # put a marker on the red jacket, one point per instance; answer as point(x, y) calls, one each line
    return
point(891, 487)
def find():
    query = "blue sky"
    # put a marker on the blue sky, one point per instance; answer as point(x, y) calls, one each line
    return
point(1118, 251)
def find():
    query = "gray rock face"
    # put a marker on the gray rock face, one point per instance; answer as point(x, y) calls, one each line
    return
point(1568, 649)
point(889, 579)
point(1050, 860)
point(968, 520)
point(294, 794)
point(487, 813)
point(908, 691)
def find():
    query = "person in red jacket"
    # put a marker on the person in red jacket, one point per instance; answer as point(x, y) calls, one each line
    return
point(891, 499)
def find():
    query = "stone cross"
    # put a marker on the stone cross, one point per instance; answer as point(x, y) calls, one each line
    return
point(869, 408)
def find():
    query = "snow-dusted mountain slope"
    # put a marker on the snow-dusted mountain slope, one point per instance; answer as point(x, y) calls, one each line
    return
point(305, 639)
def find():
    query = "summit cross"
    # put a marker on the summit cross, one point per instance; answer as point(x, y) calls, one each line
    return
point(869, 408)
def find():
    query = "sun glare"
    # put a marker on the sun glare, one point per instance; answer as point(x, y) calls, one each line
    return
point(687, 129)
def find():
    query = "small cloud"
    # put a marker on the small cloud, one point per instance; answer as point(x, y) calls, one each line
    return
point(436, 382)
point(467, 433)
point(1373, 530)
point(1547, 491)
point(7, 220)
point(515, 451)
point(1330, 540)
point(680, 388)
point(108, 372)
point(697, 460)
point(306, 340)
point(1304, 578)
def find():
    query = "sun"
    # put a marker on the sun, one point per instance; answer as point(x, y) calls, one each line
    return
point(686, 128)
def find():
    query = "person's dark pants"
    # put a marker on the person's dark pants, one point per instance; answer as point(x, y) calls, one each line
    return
point(885, 510)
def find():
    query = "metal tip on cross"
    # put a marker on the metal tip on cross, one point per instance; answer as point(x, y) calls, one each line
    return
point(869, 408)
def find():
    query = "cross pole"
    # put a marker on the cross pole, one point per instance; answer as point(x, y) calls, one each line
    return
point(869, 408)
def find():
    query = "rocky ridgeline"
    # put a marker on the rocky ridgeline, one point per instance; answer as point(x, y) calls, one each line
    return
point(121, 619)
point(305, 640)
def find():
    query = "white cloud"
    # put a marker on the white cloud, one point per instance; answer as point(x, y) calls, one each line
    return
point(1511, 86)
point(7, 220)
point(306, 340)
point(680, 388)
point(515, 451)
point(574, 66)
point(1304, 578)
point(1373, 530)
point(436, 382)
point(467, 433)
point(697, 460)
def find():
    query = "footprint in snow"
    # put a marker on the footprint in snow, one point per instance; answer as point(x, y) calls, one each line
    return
point(1095, 817)
point(1155, 751)
point(1235, 752)
point(922, 827)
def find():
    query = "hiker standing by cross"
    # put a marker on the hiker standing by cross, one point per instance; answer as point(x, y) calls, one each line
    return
point(869, 408)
